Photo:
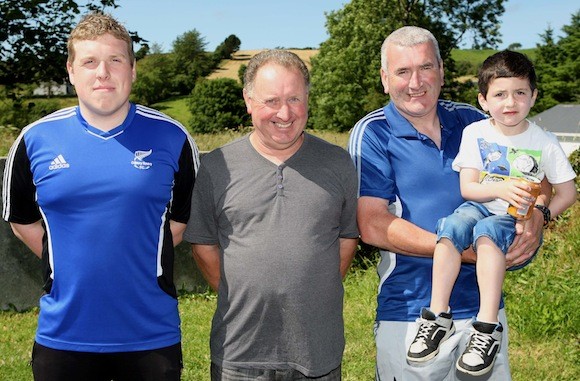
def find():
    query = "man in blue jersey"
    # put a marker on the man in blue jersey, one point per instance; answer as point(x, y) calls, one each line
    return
point(403, 154)
point(101, 192)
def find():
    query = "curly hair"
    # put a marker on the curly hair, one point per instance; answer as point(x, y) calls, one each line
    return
point(95, 25)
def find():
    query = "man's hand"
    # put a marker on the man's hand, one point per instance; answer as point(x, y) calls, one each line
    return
point(527, 241)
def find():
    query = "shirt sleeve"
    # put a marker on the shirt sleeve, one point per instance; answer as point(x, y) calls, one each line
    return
point(348, 222)
point(184, 181)
point(202, 225)
point(469, 155)
point(19, 191)
point(370, 155)
point(557, 168)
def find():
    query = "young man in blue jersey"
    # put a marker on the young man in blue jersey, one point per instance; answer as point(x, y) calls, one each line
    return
point(273, 227)
point(403, 153)
point(101, 192)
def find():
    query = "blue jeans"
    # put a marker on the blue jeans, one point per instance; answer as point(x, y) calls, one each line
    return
point(471, 221)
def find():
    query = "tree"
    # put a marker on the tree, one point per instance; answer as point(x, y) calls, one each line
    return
point(142, 52)
point(217, 105)
point(514, 46)
point(558, 67)
point(242, 72)
point(151, 84)
point(345, 73)
point(33, 38)
point(191, 61)
point(225, 50)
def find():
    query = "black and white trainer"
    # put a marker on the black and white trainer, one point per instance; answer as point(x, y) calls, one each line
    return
point(433, 330)
point(480, 354)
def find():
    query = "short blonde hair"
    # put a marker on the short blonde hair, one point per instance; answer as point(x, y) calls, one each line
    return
point(280, 57)
point(95, 25)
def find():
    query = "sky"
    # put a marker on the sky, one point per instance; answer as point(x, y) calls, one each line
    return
point(263, 24)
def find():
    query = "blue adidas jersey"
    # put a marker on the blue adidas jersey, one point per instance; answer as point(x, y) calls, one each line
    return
point(397, 163)
point(106, 199)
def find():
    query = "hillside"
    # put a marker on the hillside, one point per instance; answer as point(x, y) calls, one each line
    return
point(230, 68)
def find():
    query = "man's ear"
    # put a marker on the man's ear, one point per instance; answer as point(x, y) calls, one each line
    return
point(247, 99)
point(385, 80)
point(69, 69)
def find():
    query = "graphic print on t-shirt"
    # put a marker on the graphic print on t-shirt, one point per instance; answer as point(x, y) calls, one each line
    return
point(501, 162)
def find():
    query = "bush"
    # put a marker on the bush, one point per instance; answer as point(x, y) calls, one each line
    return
point(575, 161)
point(217, 105)
point(17, 113)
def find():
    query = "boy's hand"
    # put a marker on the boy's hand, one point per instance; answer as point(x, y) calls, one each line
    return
point(514, 191)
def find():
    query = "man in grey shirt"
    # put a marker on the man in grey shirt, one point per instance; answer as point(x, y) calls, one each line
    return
point(273, 230)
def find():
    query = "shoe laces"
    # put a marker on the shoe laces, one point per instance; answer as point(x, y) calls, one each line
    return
point(479, 342)
point(425, 329)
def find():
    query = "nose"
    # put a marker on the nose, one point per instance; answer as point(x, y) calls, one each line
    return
point(510, 101)
point(102, 70)
point(415, 80)
point(284, 111)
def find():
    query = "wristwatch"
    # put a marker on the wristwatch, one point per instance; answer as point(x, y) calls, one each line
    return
point(545, 212)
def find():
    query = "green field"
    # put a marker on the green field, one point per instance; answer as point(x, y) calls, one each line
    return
point(541, 301)
point(476, 57)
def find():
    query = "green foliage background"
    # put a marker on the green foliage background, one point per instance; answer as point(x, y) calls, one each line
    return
point(217, 104)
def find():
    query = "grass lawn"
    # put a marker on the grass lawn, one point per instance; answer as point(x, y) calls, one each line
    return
point(541, 301)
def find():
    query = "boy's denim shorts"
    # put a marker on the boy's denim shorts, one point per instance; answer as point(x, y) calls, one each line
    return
point(472, 220)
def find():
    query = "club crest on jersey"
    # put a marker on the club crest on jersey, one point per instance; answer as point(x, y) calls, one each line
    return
point(139, 160)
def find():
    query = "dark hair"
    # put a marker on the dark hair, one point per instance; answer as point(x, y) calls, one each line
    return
point(506, 64)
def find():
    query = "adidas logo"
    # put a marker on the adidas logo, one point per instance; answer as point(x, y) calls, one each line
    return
point(58, 163)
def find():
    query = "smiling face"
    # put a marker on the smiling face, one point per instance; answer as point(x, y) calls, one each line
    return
point(413, 79)
point(102, 73)
point(509, 101)
point(278, 104)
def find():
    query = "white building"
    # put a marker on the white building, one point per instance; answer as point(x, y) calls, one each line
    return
point(564, 122)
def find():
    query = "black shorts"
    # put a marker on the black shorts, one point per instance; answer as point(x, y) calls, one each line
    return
point(163, 364)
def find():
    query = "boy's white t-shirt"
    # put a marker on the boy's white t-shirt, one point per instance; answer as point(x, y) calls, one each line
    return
point(535, 152)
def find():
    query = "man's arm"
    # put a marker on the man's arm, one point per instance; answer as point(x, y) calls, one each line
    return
point(177, 229)
point(207, 258)
point(380, 228)
point(347, 252)
point(31, 235)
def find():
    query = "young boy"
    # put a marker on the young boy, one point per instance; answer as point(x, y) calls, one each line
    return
point(494, 155)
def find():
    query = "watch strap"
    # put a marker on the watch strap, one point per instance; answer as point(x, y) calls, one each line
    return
point(545, 212)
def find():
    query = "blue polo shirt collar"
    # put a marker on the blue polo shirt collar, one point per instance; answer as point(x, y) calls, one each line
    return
point(405, 129)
